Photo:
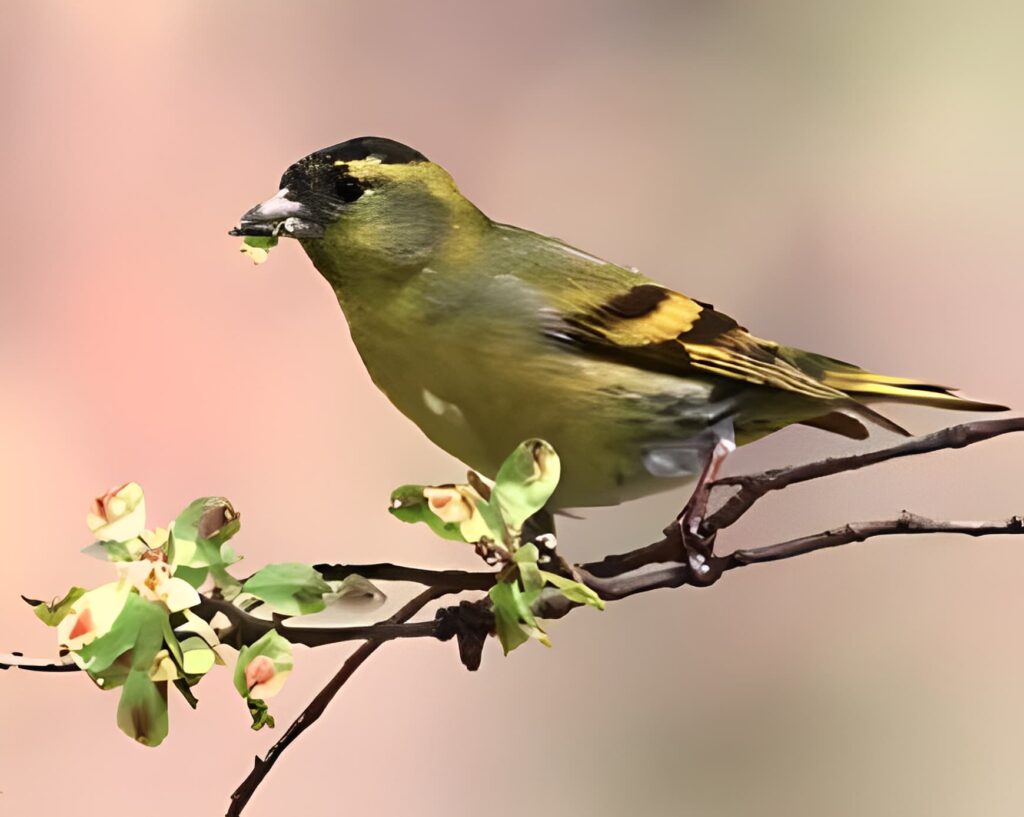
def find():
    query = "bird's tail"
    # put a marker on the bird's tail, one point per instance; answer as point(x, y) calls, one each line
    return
point(864, 386)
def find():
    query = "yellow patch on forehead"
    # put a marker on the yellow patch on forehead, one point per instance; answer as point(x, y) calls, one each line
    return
point(432, 176)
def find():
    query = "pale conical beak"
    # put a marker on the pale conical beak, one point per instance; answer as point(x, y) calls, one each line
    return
point(281, 216)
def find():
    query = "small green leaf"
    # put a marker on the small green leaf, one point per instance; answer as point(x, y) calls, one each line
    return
point(526, 481)
point(52, 614)
point(514, 621)
point(195, 576)
point(142, 710)
point(531, 575)
point(197, 657)
point(258, 247)
point(228, 585)
point(359, 590)
point(491, 524)
point(139, 627)
point(506, 617)
point(197, 536)
point(260, 713)
point(573, 590)
point(291, 588)
point(114, 551)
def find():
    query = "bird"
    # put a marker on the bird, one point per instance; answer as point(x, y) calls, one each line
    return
point(484, 335)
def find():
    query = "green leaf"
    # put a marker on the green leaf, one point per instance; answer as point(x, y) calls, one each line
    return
point(140, 627)
point(356, 589)
point(170, 640)
point(195, 576)
point(267, 242)
point(260, 714)
point(197, 657)
point(258, 247)
point(291, 588)
point(113, 551)
point(53, 613)
point(506, 617)
point(573, 590)
point(526, 481)
point(514, 621)
point(228, 585)
point(531, 575)
point(142, 710)
point(410, 505)
point(198, 535)
point(492, 523)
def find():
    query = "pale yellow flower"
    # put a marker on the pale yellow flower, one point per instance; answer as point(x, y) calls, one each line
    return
point(151, 576)
point(119, 515)
point(92, 615)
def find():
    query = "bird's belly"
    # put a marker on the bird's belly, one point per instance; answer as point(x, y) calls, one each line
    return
point(603, 436)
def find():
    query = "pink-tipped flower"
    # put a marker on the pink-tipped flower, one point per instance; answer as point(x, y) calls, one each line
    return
point(92, 615)
point(263, 678)
point(119, 515)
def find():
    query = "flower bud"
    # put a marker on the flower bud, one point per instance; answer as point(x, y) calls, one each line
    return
point(263, 678)
point(119, 515)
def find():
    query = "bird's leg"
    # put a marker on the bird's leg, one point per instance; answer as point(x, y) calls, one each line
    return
point(697, 546)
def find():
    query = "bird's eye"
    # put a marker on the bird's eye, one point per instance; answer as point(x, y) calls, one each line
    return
point(348, 189)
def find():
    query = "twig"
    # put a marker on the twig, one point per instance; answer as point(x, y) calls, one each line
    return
point(15, 660)
point(906, 523)
point(671, 575)
point(262, 767)
point(616, 576)
point(755, 486)
point(247, 628)
point(451, 580)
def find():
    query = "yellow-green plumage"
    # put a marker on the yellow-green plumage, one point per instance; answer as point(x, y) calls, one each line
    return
point(484, 335)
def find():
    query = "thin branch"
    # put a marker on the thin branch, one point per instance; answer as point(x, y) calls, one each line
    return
point(452, 580)
point(262, 767)
point(247, 628)
point(15, 660)
point(755, 486)
point(617, 576)
point(651, 577)
point(906, 523)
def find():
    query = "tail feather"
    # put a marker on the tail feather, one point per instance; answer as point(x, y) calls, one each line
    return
point(866, 386)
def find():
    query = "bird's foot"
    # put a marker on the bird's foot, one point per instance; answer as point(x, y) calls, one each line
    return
point(697, 544)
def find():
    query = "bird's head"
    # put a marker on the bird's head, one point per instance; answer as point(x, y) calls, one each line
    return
point(369, 196)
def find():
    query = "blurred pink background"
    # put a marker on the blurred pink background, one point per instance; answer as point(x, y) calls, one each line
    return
point(844, 177)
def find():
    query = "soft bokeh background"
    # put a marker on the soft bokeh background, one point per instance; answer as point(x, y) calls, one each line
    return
point(842, 176)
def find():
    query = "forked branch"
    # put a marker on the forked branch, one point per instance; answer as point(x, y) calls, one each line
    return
point(665, 563)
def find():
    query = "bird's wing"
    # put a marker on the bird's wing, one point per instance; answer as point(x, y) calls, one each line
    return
point(651, 327)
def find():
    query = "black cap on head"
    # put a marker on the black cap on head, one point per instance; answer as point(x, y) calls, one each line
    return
point(316, 189)
point(388, 151)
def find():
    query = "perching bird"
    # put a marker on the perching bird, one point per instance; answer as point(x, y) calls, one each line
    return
point(485, 335)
